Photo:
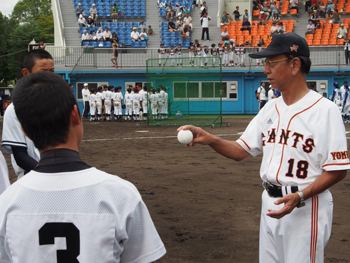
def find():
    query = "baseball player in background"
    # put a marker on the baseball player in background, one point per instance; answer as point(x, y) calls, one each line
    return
point(65, 210)
point(108, 102)
point(303, 156)
point(92, 100)
point(99, 99)
point(346, 104)
point(85, 93)
point(117, 101)
point(144, 102)
point(24, 155)
point(336, 96)
point(262, 95)
point(128, 104)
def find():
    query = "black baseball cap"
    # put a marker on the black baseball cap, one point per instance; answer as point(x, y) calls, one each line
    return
point(284, 44)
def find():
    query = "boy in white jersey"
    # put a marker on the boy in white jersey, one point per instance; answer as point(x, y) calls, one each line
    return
point(242, 51)
point(161, 54)
point(154, 103)
point(225, 54)
point(117, 101)
point(136, 105)
point(237, 56)
point(220, 52)
point(103, 218)
point(92, 101)
point(199, 54)
point(128, 104)
point(304, 146)
point(144, 101)
point(205, 55)
point(108, 96)
point(178, 50)
point(213, 53)
point(99, 99)
point(172, 55)
point(231, 52)
point(191, 51)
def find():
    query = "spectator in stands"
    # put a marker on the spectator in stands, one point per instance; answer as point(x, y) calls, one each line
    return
point(294, 4)
point(115, 11)
point(186, 11)
point(135, 36)
point(150, 31)
point(90, 22)
point(342, 32)
point(274, 10)
point(205, 25)
point(336, 16)
point(256, 4)
point(310, 28)
point(92, 35)
point(245, 15)
point(276, 18)
point(179, 24)
point(264, 7)
point(347, 51)
point(169, 11)
point(187, 30)
point(79, 11)
point(225, 19)
point(204, 9)
point(93, 12)
point(81, 20)
point(178, 10)
point(225, 35)
point(171, 26)
point(274, 28)
point(42, 45)
point(307, 5)
point(85, 35)
point(107, 35)
point(141, 27)
point(281, 28)
point(237, 14)
point(322, 9)
point(143, 35)
point(99, 34)
point(312, 9)
point(262, 18)
point(187, 20)
point(115, 45)
point(246, 25)
point(330, 8)
point(314, 18)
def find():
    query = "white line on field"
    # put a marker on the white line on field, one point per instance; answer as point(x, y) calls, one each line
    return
point(148, 138)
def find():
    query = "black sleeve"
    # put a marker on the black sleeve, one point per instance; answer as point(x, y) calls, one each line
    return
point(22, 158)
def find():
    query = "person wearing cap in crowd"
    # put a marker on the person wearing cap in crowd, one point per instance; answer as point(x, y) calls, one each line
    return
point(213, 53)
point(90, 22)
point(92, 35)
point(161, 54)
point(79, 11)
point(342, 32)
point(226, 50)
point(302, 138)
point(81, 20)
point(220, 51)
point(93, 12)
point(135, 36)
point(99, 34)
point(85, 93)
point(107, 35)
point(191, 53)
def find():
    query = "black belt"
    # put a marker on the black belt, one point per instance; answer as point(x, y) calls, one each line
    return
point(276, 190)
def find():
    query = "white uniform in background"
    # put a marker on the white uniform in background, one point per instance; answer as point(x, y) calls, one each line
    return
point(154, 105)
point(221, 53)
point(231, 55)
point(128, 105)
point(225, 56)
point(92, 101)
point(199, 54)
point(136, 106)
point(172, 56)
point(12, 135)
point(99, 98)
point(214, 54)
point(117, 101)
point(108, 103)
point(179, 56)
point(84, 216)
point(161, 55)
point(191, 55)
point(242, 51)
point(4, 174)
point(144, 98)
point(238, 56)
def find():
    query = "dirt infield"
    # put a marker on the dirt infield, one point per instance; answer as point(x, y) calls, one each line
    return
point(206, 207)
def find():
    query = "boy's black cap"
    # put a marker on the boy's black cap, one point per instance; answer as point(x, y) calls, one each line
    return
point(284, 44)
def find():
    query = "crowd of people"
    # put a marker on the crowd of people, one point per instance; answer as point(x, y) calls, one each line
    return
point(204, 55)
point(109, 103)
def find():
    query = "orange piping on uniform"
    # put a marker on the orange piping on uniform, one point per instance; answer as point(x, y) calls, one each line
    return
point(246, 144)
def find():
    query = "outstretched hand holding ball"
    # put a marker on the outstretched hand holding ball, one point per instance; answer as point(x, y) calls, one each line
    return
point(185, 136)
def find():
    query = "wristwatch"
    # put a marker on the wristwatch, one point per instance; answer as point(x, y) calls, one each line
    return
point(302, 201)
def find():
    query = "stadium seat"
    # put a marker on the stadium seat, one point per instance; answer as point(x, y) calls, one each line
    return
point(324, 42)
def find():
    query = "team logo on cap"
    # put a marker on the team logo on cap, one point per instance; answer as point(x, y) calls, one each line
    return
point(268, 41)
point(294, 48)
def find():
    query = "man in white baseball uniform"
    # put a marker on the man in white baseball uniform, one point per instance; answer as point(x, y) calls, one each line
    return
point(117, 101)
point(92, 100)
point(65, 210)
point(85, 93)
point(108, 102)
point(99, 104)
point(24, 155)
point(302, 138)
point(262, 95)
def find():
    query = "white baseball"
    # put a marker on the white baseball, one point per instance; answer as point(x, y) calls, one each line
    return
point(185, 136)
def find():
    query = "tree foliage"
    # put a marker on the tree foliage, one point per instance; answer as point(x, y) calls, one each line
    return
point(30, 19)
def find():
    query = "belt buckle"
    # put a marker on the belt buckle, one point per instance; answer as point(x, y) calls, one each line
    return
point(271, 190)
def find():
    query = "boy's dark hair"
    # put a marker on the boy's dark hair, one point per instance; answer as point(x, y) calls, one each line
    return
point(43, 103)
point(29, 59)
